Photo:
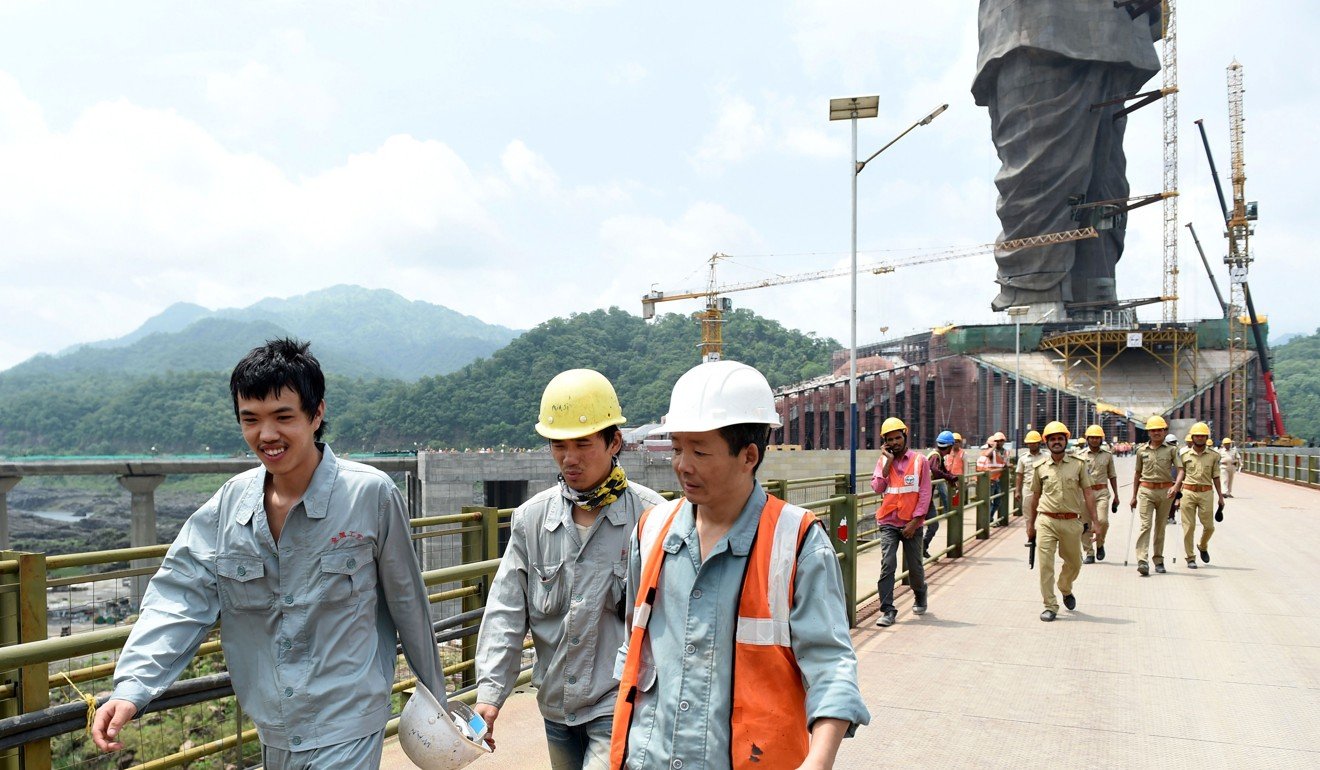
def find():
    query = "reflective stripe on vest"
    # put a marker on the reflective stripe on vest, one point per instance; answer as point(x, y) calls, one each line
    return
point(768, 712)
point(900, 496)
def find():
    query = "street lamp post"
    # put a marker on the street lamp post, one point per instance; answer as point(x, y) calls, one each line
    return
point(851, 109)
point(1016, 312)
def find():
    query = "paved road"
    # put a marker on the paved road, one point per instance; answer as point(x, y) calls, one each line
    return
point(1218, 667)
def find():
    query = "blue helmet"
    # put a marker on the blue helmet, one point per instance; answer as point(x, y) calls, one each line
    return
point(944, 439)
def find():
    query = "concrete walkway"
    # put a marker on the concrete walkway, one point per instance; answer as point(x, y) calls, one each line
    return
point(1218, 667)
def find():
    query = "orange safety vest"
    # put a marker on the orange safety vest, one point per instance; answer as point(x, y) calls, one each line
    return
point(954, 462)
point(989, 461)
point(902, 490)
point(769, 712)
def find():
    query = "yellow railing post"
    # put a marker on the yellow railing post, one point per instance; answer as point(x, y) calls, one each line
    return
point(476, 544)
point(34, 692)
point(982, 506)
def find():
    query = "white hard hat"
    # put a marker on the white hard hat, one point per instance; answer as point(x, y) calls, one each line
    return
point(430, 736)
point(719, 393)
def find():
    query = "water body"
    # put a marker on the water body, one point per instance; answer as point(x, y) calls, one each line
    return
point(68, 517)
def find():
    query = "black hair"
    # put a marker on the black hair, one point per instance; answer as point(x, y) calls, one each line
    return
point(743, 435)
point(279, 364)
point(607, 435)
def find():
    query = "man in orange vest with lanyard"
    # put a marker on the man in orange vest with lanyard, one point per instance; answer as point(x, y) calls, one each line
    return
point(903, 477)
point(993, 459)
point(956, 463)
point(738, 655)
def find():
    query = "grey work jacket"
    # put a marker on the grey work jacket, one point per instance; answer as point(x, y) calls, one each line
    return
point(308, 625)
point(570, 595)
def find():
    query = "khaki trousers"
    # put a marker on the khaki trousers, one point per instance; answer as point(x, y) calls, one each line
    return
point(1227, 471)
point(1153, 507)
point(1065, 537)
point(1197, 505)
point(1099, 521)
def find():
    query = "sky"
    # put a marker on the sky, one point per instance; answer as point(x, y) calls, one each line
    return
point(517, 161)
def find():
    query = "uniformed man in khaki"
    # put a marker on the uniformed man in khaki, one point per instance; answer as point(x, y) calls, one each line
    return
point(1152, 492)
point(1060, 493)
point(1026, 464)
point(1198, 473)
point(1100, 467)
point(1228, 464)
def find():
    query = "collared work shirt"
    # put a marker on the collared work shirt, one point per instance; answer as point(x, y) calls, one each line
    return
point(1155, 463)
point(569, 593)
point(685, 689)
point(1057, 486)
point(1099, 465)
point(903, 465)
point(1199, 467)
point(1026, 467)
point(1229, 457)
point(309, 625)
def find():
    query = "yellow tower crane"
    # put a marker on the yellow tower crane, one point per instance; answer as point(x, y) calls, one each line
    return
point(712, 317)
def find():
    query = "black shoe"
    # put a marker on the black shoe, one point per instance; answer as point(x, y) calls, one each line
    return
point(1205, 556)
point(887, 619)
point(1048, 615)
point(1089, 559)
point(1191, 564)
point(919, 608)
point(925, 554)
point(1160, 568)
point(1070, 602)
point(1143, 569)
point(1099, 553)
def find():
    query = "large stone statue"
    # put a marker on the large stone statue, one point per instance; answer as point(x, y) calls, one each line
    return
point(1041, 65)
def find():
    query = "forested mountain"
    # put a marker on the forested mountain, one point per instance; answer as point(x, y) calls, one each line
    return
point(358, 333)
point(486, 403)
point(1297, 378)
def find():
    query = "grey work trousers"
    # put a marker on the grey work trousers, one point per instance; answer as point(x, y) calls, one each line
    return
point(361, 754)
point(890, 538)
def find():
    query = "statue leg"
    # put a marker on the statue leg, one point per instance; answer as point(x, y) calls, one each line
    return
point(1044, 133)
point(1096, 258)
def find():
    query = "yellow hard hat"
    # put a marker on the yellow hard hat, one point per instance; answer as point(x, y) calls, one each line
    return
point(1227, 440)
point(1033, 437)
point(577, 403)
point(1156, 423)
point(893, 424)
point(1200, 429)
point(1095, 430)
point(1056, 428)
point(957, 436)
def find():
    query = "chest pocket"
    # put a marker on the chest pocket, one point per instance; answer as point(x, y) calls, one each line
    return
point(243, 585)
point(550, 591)
point(347, 574)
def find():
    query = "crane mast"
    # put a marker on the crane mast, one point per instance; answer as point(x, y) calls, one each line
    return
point(1170, 71)
point(1238, 260)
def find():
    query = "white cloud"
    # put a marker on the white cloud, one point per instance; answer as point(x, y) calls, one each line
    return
point(738, 133)
point(527, 169)
point(285, 84)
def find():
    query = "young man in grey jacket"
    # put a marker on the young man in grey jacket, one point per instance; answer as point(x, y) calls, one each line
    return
point(562, 577)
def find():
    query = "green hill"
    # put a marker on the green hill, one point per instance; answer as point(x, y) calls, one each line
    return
point(1297, 378)
point(358, 332)
point(489, 402)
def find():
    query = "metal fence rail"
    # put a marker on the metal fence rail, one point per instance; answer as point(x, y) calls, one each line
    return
point(33, 663)
point(1298, 466)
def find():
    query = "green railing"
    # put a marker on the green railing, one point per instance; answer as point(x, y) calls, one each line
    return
point(32, 666)
point(1298, 466)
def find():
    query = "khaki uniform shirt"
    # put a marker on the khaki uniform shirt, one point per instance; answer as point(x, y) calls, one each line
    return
point(1058, 486)
point(1026, 466)
point(1099, 465)
point(1229, 457)
point(1156, 463)
point(1199, 468)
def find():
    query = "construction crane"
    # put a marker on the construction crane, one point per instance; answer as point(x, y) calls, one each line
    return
point(712, 317)
point(1170, 71)
point(1238, 231)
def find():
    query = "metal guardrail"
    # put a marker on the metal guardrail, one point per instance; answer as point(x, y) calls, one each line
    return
point(1298, 466)
point(28, 722)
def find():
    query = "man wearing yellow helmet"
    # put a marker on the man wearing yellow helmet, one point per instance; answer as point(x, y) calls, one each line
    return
point(1060, 492)
point(1152, 492)
point(903, 477)
point(1100, 468)
point(1228, 464)
point(570, 540)
point(1198, 473)
point(1026, 465)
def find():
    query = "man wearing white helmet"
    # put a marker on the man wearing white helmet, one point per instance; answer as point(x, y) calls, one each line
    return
point(562, 576)
point(729, 578)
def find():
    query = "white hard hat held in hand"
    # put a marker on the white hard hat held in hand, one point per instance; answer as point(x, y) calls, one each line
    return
point(438, 739)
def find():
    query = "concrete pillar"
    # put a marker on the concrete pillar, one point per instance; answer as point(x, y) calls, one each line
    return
point(6, 483)
point(142, 531)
